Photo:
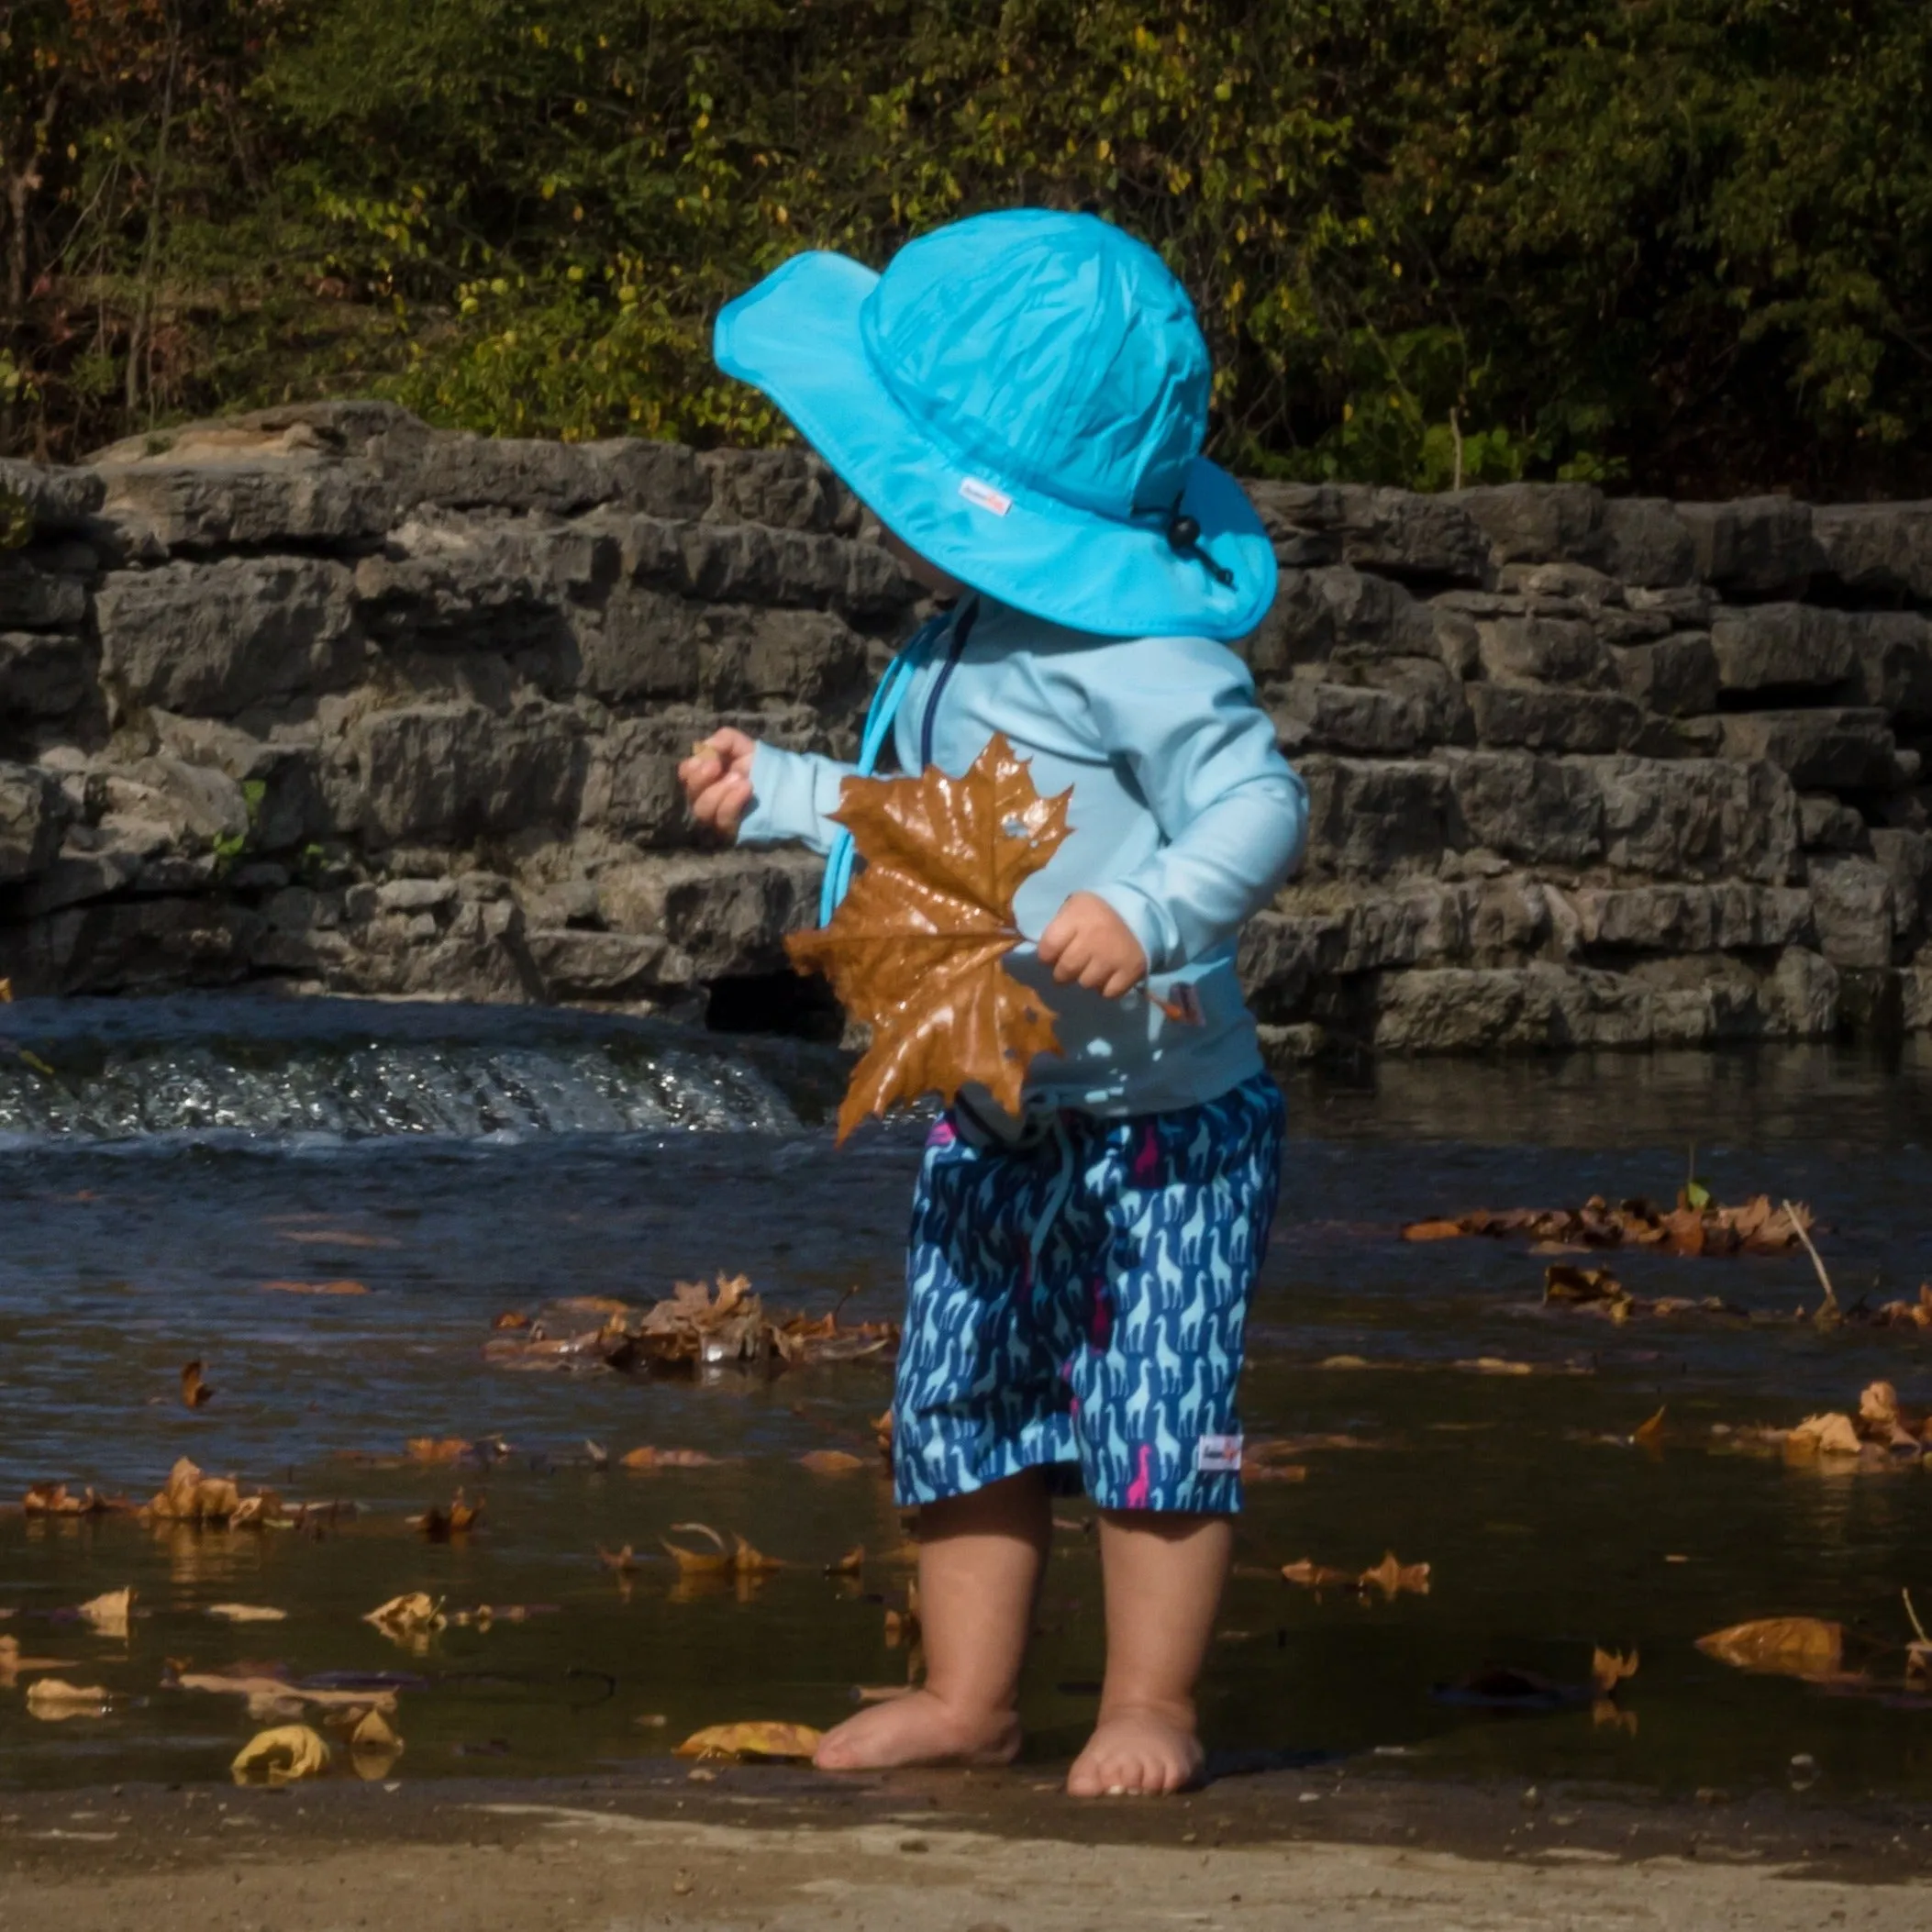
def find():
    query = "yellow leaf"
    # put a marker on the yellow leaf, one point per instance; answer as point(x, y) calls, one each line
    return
point(1648, 1433)
point(109, 1612)
point(1828, 1434)
point(752, 1741)
point(1785, 1646)
point(53, 1700)
point(247, 1612)
point(280, 1756)
point(831, 1461)
point(411, 1615)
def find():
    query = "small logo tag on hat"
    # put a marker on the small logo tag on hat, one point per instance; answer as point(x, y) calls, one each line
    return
point(985, 496)
point(1218, 1455)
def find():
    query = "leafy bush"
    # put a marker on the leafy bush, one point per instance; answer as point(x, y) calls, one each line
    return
point(1683, 245)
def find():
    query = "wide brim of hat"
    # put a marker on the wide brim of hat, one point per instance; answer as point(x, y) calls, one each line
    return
point(796, 336)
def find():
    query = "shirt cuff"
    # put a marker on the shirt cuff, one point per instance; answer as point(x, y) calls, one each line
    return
point(1149, 922)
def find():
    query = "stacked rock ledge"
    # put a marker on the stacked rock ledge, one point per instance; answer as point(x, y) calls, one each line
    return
point(323, 697)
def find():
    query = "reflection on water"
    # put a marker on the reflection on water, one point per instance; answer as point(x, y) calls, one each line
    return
point(137, 1232)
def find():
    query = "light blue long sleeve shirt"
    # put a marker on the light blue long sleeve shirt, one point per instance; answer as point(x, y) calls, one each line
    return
point(1185, 818)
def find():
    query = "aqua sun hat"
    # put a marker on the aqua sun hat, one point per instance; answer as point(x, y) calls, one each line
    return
point(1022, 397)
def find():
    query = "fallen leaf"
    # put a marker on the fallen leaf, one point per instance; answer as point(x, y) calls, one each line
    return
point(1311, 1575)
point(915, 949)
point(248, 1614)
point(1649, 1433)
point(458, 1519)
point(648, 1458)
point(266, 1693)
point(832, 1462)
point(51, 1499)
point(849, 1564)
point(593, 1305)
point(510, 1320)
point(53, 1700)
point(109, 1612)
point(1564, 1283)
point(1755, 1226)
point(748, 1562)
point(623, 1561)
point(1392, 1578)
point(374, 1733)
point(415, 1614)
point(699, 1563)
point(778, 1742)
point(1785, 1646)
point(596, 1454)
point(1434, 1231)
point(194, 1391)
point(1830, 1435)
point(1610, 1668)
point(436, 1448)
point(343, 1287)
point(281, 1756)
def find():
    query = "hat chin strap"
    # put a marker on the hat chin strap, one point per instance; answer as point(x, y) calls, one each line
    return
point(1183, 537)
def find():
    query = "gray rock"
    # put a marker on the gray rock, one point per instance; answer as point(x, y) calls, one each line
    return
point(723, 913)
point(1407, 534)
point(523, 473)
point(1893, 671)
point(1646, 542)
point(1834, 750)
point(1312, 715)
point(30, 822)
point(601, 966)
point(1827, 824)
point(43, 675)
point(1723, 917)
point(57, 499)
point(1522, 1009)
point(213, 505)
point(1697, 818)
point(795, 656)
point(1545, 718)
point(213, 638)
point(1534, 810)
point(1759, 547)
point(1545, 650)
point(1538, 523)
point(1885, 546)
point(1685, 606)
point(787, 489)
point(1906, 858)
point(1801, 997)
point(632, 789)
point(1675, 677)
point(641, 643)
point(452, 773)
point(1338, 613)
point(1376, 817)
point(747, 563)
point(1769, 646)
point(33, 599)
point(1855, 909)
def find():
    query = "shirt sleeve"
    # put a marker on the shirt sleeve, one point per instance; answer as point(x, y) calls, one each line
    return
point(1180, 712)
point(794, 794)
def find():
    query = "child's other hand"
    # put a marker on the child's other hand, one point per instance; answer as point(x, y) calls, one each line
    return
point(1089, 941)
point(716, 779)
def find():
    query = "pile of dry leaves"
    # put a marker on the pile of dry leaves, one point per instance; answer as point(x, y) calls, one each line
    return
point(1882, 1433)
point(694, 1327)
point(1689, 1229)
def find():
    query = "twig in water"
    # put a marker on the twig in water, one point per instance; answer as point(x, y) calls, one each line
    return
point(1918, 1628)
point(1831, 1294)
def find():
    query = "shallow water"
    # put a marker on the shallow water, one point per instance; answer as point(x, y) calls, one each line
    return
point(165, 1161)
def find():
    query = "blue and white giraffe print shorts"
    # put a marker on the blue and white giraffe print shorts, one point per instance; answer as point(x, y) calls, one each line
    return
point(1117, 1352)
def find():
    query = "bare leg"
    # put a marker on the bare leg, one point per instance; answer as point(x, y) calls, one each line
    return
point(1164, 1574)
point(979, 1562)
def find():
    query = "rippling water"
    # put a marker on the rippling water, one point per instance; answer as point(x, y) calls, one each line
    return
point(167, 1169)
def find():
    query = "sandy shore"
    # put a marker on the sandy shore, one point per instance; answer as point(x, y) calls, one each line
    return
point(948, 1853)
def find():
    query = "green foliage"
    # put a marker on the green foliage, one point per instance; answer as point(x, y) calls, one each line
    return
point(17, 521)
point(1685, 245)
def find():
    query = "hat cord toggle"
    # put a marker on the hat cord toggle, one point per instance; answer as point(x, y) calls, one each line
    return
point(1183, 536)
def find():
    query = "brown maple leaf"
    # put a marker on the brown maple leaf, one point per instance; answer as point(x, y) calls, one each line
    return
point(916, 948)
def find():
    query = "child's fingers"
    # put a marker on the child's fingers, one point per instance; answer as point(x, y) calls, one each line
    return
point(1120, 981)
point(728, 795)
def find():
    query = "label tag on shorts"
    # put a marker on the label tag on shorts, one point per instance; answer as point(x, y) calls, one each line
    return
point(1218, 1455)
point(984, 497)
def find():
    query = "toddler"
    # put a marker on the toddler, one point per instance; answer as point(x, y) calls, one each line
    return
point(1020, 399)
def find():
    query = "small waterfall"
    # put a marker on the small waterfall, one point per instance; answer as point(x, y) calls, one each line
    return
point(98, 1071)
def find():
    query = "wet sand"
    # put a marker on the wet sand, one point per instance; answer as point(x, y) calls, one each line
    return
point(951, 1852)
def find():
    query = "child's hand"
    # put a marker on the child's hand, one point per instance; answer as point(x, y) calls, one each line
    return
point(1089, 941)
point(716, 779)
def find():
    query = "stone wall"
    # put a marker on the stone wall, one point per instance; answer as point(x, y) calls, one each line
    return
point(323, 697)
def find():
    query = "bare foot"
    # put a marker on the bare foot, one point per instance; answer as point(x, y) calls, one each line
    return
point(1137, 1752)
point(919, 1729)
